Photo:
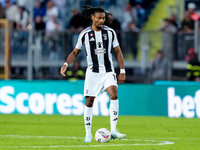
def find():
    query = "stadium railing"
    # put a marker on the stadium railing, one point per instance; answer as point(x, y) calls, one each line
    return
point(51, 49)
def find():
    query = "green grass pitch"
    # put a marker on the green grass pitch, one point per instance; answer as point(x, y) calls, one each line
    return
point(56, 132)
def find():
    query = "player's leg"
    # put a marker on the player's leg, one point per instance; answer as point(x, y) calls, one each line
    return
point(112, 91)
point(88, 114)
point(93, 85)
point(114, 109)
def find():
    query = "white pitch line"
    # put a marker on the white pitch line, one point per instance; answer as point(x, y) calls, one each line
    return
point(30, 136)
point(57, 146)
point(176, 138)
point(64, 146)
point(73, 137)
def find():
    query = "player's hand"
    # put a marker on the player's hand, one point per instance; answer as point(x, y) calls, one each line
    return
point(63, 70)
point(121, 78)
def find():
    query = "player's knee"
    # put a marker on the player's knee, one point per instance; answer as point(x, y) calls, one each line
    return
point(113, 96)
point(89, 102)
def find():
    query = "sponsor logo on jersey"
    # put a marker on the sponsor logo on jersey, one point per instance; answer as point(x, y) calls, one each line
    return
point(100, 51)
point(92, 39)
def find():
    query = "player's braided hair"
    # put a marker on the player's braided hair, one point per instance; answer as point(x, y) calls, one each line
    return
point(88, 11)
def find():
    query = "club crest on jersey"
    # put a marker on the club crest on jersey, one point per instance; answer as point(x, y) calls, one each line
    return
point(99, 45)
point(91, 34)
point(99, 49)
point(105, 36)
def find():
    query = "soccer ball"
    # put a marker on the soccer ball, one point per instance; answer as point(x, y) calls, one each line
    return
point(102, 135)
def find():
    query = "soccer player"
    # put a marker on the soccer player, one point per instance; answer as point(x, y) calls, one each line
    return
point(100, 76)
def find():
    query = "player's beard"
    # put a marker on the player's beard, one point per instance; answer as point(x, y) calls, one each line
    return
point(99, 27)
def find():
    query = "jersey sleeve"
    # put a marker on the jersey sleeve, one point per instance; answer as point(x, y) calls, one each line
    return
point(79, 43)
point(115, 40)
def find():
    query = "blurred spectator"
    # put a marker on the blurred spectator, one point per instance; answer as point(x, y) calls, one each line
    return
point(132, 39)
point(133, 27)
point(76, 72)
point(168, 39)
point(44, 2)
point(51, 11)
point(52, 25)
point(187, 24)
point(60, 3)
point(21, 18)
point(141, 14)
point(39, 24)
point(114, 24)
point(62, 8)
point(11, 10)
point(129, 16)
point(39, 9)
point(160, 68)
point(173, 20)
point(129, 38)
point(3, 2)
point(77, 22)
point(144, 3)
point(168, 27)
point(2, 11)
point(103, 3)
point(190, 54)
point(53, 39)
point(190, 9)
point(135, 2)
point(21, 3)
point(86, 2)
point(193, 67)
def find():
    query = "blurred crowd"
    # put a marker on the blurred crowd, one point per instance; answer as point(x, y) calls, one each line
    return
point(127, 15)
point(53, 15)
point(172, 24)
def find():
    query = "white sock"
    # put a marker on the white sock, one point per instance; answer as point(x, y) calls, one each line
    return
point(114, 108)
point(88, 114)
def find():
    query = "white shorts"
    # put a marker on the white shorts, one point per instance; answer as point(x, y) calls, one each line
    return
point(98, 82)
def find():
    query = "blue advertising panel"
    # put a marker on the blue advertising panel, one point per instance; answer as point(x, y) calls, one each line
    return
point(172, 99)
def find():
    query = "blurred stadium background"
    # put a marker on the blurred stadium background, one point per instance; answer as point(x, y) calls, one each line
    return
point(159, 40)
point(37, 35)
point(161, 47)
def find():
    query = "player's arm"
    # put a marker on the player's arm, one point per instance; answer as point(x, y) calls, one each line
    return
point(69, 60)
point(120, 59)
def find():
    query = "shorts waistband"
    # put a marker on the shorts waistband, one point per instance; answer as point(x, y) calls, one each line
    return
point(100, 70)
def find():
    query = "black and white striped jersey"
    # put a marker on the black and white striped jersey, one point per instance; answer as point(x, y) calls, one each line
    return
point(98, 46)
